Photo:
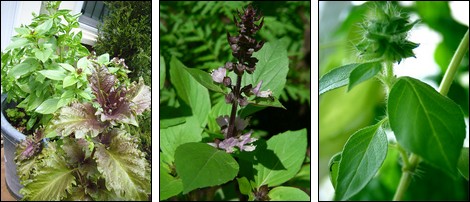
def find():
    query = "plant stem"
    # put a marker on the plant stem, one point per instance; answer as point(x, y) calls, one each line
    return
point(236, 93)
point(453, 66)
point(443, 90)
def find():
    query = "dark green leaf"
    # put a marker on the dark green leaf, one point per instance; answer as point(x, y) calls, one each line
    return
point(205, 79)
point(288, 194)
point(174, 136)
point(201, 165)
point(334, 168)
point(463, 163)
point(361, 158)
point(244, 186)
point(266, 102)
point(282, 158)
point(427, 123)
point(363, 72)
point(162, 72)
point(336, 78)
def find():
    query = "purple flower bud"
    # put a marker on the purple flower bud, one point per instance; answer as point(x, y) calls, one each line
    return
point(257, 88)
point(247, 90)
point(229, 98)
point(219, 74)
point(229, 66)
point(240, 69)
point(227, 81)
point(242, 101)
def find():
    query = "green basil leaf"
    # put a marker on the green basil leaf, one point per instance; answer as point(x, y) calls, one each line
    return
point(188, 89)
point(27, 66)
point(49, 106)
point(43, 55)
point(44, 27)
point(363, 72)
point(361, 158)
point(336, 78)
point(69, 80)
point(68, 67)
point(22, 30)
point(463, 163)
point(204, 79)
point(53, 74)
point(427, 123)
point(103, 59)
point(169, 185)
point(174, 136)
point(282, 193)
point(18, 43)
point(334, 168)
point(162, 72)
point(201, 165)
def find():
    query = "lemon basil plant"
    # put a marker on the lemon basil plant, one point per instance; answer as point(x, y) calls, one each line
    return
point(428, 127)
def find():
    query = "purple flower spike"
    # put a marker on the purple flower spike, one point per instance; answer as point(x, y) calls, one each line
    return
point(244, 142)
point(219, 74)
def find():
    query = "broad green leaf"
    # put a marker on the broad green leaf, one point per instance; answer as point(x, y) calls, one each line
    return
point(463, 163)
point(169, 185)
point(43, 55)
point(17, 44)
point(53, 181)
point(205, 79)
point(334, 168)
point(244, 186)
point(103, 59)
point(69, 80)
point(219, 109)
point(201, 165)
point(162, 72)
point(363, 72)
point(44, 27)
point(271, 68)
point(165, 123)
point(361, 158)
point(48, 107)
point(22, 30)
point(427, 123)
point(282, 158)
point(336, 78)
point(68, 67)
point(27, 66)
point(188, 89)
point(79, 119)
point(123, 167)
point(282, 193)
point(174, 136)
point(58, 75)
point(266, 102)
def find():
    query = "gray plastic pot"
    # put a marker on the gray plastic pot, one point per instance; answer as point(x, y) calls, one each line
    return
point(11, 138)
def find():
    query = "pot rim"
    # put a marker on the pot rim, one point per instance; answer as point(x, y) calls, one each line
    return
point(8, 131)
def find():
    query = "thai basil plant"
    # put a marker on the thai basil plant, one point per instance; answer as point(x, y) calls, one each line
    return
point(428, 127)
point(38, 68)
point(205, 146)
point(95, 156)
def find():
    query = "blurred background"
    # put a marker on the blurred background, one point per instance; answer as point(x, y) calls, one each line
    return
point(341, 114)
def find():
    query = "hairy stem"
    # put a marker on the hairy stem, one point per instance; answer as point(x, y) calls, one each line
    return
point(443, 90)
point(236, 93)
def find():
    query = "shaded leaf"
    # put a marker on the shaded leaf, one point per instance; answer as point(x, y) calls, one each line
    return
point(463, 163)
point(334, 168)
point(169, 185)
point(336, 78)
point(363, 72)
point(201, 165)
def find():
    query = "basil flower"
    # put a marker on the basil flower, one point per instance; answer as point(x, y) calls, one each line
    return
point(219, 74)
point(256, 91)
point(243, 143)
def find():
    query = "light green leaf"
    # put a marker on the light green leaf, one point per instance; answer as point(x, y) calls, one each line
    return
point(169, 185)
point(165, 123)
point(174, 136)
point(282, 158)
point(363, 72)
point(463, 163)
point(271, 68)
point(44, 27)
point(205, 79)
point(162, 72)
point(21, 42)
point(58, 75)
point(43, 55)
point(27, 66)
point(103, 59)
point(48, 107)
point(201, 165)
point(282, 193)
point(123, 167)
point(53, 181)
point(188, 89)
point(69, 80)
point(336, 78)
point(427, 123)
point(361, 158)
point(68, 67)
point(244, 186)
point(22, 30)
point(83, 64)
point(334, 168)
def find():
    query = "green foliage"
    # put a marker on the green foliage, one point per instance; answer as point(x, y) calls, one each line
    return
point(287, 194)
point(34, 65)
point(126, 33)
